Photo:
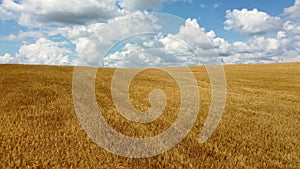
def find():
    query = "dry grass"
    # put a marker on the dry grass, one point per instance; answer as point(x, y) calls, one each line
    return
point(259, 128)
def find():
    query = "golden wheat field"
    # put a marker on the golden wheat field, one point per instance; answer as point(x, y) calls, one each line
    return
point(260, 127)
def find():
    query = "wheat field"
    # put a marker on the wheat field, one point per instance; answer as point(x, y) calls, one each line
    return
point(260, 127)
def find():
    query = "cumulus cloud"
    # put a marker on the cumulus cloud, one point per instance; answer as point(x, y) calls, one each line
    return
point(36, 13)
point(133, 55)
point(93, 40)
point(292, 28)
point(252, 22)
point(33, 13)
point(283, 47)
point(7, 58)
point(43, 51)
point(137, 55)
point(257, 44)
point(293, 11)
point(4, 13)
point(259, 49)
point(190, 46)
point(160, 50)
point(194, 34)
point(22, 35)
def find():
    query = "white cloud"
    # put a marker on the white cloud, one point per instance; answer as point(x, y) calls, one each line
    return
point(34, 13)
point(222, 47)
point(292, 28)
point(170, 50)
point(257, 44)
point(291, 38)
point(7, 58)
point(283, 47)
point(293, 11)
point(90, 40)
point(134, 55)
point(43, 51)
point(37, 13)
point(93, 40)
point(259, 49)
point(251, 22)
point(281, 35)
point(192, 33)
point(21, 36)
point(5, 14)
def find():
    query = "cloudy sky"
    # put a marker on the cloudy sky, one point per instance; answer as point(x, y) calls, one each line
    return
point(129, 33)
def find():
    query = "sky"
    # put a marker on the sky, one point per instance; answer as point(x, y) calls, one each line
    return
point(143, 33)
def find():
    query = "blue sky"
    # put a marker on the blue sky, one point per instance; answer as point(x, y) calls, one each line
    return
point(70, 32)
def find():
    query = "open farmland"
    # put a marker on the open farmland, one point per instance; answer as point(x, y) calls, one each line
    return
point(260, 127)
